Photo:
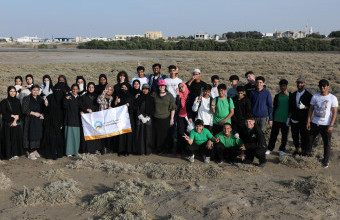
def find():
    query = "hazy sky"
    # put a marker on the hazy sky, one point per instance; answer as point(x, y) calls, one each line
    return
point(173, 17)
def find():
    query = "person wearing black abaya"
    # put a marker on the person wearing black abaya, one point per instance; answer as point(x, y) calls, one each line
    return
point(12, 132)
point(145, 107)
point(101, 84)
point(125, 141)
point(80, 80)
point(53, 141)
point(88, 104)
point(136, 90)
point(122, 77)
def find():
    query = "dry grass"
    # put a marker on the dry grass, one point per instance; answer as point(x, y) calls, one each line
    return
point(5, 182)
point(59, 192)
point(128, 216)
point(317, 187)
point(53, 175)
point(48, 162)
point(2, 162)
point(299, 162)
point(247, 167)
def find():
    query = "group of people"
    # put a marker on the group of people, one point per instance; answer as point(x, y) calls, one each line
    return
point(167, 116)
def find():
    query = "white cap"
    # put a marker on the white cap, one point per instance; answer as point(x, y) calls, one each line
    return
point(196, 70)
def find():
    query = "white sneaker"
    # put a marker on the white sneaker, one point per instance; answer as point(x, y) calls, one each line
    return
point(206, 159)
point(15, 157)
point(268, 152)
point(32, 156)
point(191, 158)
point(282, 153)
point(37, 155)
point(69, 155)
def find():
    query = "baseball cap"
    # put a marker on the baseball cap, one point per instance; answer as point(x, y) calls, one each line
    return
point(301, 79)
point(161, 82)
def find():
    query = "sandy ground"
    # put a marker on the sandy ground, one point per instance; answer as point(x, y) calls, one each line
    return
point(285, 188)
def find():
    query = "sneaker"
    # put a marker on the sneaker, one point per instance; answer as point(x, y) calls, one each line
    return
point(37, 155)
point(15, 157)
point(262, 165)
point(281, 153)
point(69, 155)
point(206, 159)
point(191, 158)
point(219, 162)
point(32, 156)
point(325, 164)
point(268, 152)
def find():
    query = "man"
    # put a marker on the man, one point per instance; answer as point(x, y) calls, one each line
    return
point(141, 77)
point(153, 78)
point(242, 109)
point(232, 92)
point(195, 86)
point(261, 104)
point(215, 81)
point(200, 140)
point(251, 85)
point(227, 146)
point(222, 108)
point(173, 81)
point(324, 108)
point(280, 114)
point(254, 142)
point(299, 105)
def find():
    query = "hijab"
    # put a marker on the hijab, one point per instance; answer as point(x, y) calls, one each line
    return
point(133, 90)
point(184, 95)
point(82, 88)
point(100, 87)
point(91, 95)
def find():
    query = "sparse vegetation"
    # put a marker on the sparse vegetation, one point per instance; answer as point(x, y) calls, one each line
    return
point(5, 182)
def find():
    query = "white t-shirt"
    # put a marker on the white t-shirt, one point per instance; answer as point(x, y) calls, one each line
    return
point(214, 92)
point(141, 81)
point(172, 85)
point(322, 108)
point(203, 112)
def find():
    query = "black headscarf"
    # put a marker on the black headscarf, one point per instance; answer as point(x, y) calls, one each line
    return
point(13, 102)
point(125, 95)
point(91, 95)
point(133, 90)
point(64, 77)
point(149, 103)
point(51, 84)
point(100, 87)
point(10, 98)
point(84, 89)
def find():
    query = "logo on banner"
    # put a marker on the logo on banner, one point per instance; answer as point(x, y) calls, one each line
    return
point(98, 125)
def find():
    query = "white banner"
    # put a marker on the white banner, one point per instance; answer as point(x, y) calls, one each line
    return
point(107, 123)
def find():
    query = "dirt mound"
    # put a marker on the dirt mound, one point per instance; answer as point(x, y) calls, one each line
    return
point(128, 216)
point(170, 171)
point(2, 162)
point(59, 192)
point(85, 161)
point(53, 175)
point(126, 195)
point(247, 167)
point(5, 182)
point(48, 162)
point(300, 162)
point(316, 186)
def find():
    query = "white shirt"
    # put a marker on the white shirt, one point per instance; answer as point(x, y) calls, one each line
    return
point(203, 112)
point(322, 108)
point(141, 81)
point(214, 92)
point(172, 85)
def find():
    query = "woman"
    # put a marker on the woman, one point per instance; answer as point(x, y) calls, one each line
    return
point(26, 90)
point(181, 102)
point(125, 141)
point(122, 77)
point(18, 85)
point(12, 125)
point(145, 108)
point(101, 84)
point(33, 108)
point(136, 90)
point(163, 118)
point(72, 121)
point(80, 80)
point(53, 140)
point(88, 104)
point(105, 102)
point(62, 79)
point(46, 87)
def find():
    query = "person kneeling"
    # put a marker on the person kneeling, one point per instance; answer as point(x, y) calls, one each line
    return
point(228, 147)
point(254, 142)
point(201, 141)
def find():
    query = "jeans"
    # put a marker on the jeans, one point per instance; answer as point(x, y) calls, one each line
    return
point(326, 138)
point(277, 126)
point(261, 122)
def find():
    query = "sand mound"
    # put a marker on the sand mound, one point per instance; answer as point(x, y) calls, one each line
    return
point(170, 171)
point(52, 175)
point(2, 162)
point(59, 192)
point(247, 167)
point(126, 195)
point(5, 182)
point(316, 186)
point(300, 162)
point(48, 162)
point(175, 217)
point(128, 216)
point(85, 161)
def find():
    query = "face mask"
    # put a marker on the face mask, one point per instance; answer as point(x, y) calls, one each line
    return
point(81, 87)
point(47, 83)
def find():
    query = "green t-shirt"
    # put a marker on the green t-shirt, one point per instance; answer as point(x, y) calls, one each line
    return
point(222, 109)
point(229, 141)
point(200, 138)
point(281, 113)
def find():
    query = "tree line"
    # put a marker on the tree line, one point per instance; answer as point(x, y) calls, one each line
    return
point(265, 44)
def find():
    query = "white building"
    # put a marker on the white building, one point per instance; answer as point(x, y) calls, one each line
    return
point(126, 36)
point(268, 34)
point(202, 36)
point(7, 39)
point(28, 39)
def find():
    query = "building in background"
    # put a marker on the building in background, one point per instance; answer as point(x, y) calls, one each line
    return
point(28, 39)
point(154, 35)
point(201, 36)
point(268, 34)
point(290, 34)
point(126, 36)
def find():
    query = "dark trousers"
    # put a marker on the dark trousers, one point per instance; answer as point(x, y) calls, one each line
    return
point(161, 135)
point(181, 130)
point(300, 135)
point(201, 149)
point(258, 152)
point(277, 126)
point(216, 129)
point(326, 138)
point(229, 154)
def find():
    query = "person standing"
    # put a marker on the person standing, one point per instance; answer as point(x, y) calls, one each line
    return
point(251, 85)
point(18, 85)
point(163, 119)
point(298, 113)
point(280, 115)
point(122, 77)
point(81, 82)
point(26, 90)
point(72, 121)
point(12, 132)
point(102, 82)
point(202, 106)
point(155, 77)
point(46, 87)
point(33, 108)
point(141, 76)
point(215, 81)
point(173, 81)
point(232, 92)
point(324, 109)
point(261, 104)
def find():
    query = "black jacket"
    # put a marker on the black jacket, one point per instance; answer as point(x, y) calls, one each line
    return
point(299, 114)
point(253, 139)
point(88, 101)
point(276, 103)
point(72, 111)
